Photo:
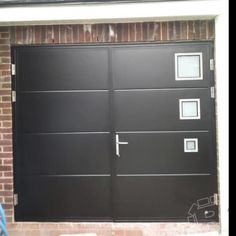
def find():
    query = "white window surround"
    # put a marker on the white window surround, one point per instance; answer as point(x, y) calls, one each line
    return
point(181, 109)
point(177, 55)
point(195, 141)
point(162, 11)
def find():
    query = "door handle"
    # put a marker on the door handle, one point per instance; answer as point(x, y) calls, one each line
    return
point(118, 143)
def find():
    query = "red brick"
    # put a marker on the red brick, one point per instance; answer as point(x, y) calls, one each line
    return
point(8, 174)
point(7, 136)
point(7, 161)
point(3, 117)
point(112, 33)
point(7, 206)
point(7, 111)
point(210, 30)
point(5, 54)
point(202, 29)
point(9, 219)
point(62, 34)
point(81, 34)
point(69, 36)
point(5, 142)
point(183, 30)
point(4, 66)
point(164, 35)
point(5, 60)
point(6, 98)
point(132, 30)
point(156, 32)
point(119, 32)
point(6, 72)
point(125, 30)
point(4, 29)
point(94, 34)
point(6, 85)
point(37, 34)
point(4, 35)
point(56, 31)
point(4, 41)
point(197, 29)
point(5, 168)
point(5, 130)
point(75, 30)
point(5, 155)
point(8, 199)
point(87, 30)
point(6, 193)
point(6, 181)
point(133, 233)
point(145, 30)
point(4, 48)
point(8, 186)
point(49, 34)
point(5, 105)
point(6, 124)
point(138, 32)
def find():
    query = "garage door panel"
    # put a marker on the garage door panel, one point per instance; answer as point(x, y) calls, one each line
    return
point(54, 198)
point(149, 66)
point(65, 154)
point(151, 110)
point(164, 198)
point(164, 153)
point(62, 68)
point(64, 112)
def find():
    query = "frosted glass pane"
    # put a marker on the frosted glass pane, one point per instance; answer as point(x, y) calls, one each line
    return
point(189, 66)
point(189, 109)
point(191, 145)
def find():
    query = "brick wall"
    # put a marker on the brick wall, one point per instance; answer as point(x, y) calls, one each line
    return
point(97, 33)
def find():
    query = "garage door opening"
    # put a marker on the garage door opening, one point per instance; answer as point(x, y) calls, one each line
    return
point(114, 132)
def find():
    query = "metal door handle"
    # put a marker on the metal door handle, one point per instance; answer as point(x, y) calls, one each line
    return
point(118, 143)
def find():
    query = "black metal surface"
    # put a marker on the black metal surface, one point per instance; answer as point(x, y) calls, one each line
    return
point(163, 153)
point(67, 154)
point(71, 100)
point(154, 67)
point(159, 110)
point(162, 198)
point(63, 112)
point(62, 68)
point(51, 198)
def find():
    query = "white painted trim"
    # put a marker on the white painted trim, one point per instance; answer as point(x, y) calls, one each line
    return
point(191, 140)
point(222, 112)
point(113, 13)
point(181, 117)
point(188, 54)
point(103, 13)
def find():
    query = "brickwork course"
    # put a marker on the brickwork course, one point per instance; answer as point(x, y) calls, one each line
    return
point(158, 32)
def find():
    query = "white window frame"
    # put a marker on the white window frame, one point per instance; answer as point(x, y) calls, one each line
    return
point(188, 54)
point(191, 140)
point(189, 117)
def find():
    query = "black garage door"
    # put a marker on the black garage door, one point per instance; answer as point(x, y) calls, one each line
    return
point(114, 133)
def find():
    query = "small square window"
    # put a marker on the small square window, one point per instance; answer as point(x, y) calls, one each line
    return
point(188, 66)
point(190, 145)
point(189, 109)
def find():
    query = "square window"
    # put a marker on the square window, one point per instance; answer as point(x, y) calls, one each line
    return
point(189, 109)
point(188, 66)
point(190, 145)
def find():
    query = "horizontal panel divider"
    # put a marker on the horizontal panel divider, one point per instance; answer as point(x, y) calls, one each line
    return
point(161, 175)
point(157, 89)
point(82, 175)
point(72, 133)
point(66, 91)
point(164, 131)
